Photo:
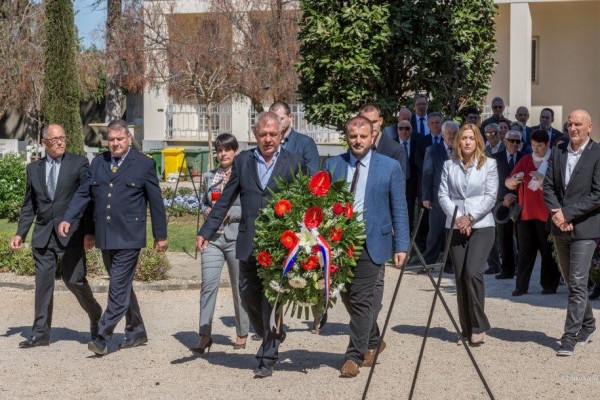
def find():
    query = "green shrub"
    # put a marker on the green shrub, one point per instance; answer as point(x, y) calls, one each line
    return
point(20, 261)
point(13, 179)
point(152, 265)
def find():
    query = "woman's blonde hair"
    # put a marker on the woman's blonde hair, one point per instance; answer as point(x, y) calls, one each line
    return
point(479, 154)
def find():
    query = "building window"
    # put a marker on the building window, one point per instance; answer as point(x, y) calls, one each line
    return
point(535, 56)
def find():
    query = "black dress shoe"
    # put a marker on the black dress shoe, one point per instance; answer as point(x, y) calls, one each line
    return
point(98, 346)
point(263, 371)
point(595, 293)
point(548, 291)
point(448, 270)
point(34, 342)
point(504, 276)
point(130, 343)
point(518, 292)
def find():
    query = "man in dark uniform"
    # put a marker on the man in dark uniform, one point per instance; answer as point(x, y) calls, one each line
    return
point(120, 182)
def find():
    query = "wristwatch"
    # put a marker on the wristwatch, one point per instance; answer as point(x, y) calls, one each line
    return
point(471, 218)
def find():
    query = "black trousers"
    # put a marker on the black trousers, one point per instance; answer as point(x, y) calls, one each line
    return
point(532, 237)
point(259, 312)
point(73, 271)
point(421, 238)
point(469, 254)
point(574, 259)
point(506, 234)
point(359, 299)
point(120, 265)
point(436, 235)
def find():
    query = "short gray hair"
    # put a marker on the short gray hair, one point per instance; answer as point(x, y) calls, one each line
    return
point(450, 124)
point(118, 125)
point(492, 125)
point(46, 128)
point(264, 118)
point(513, 132)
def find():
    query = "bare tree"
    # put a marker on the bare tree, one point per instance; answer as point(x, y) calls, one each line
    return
point(21, 58)
point(193, 54)
point(267, 47)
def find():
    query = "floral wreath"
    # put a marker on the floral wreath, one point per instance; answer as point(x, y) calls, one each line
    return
point(307, 241)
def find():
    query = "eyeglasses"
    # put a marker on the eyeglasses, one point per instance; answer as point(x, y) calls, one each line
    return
point(514, 141)
point(492, 133)
point(522, 115)
point(497, 107)
point(404, 128)
point(55, 140)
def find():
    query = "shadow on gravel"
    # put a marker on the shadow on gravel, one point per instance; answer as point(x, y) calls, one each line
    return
point(506, 335)
point(57, 334)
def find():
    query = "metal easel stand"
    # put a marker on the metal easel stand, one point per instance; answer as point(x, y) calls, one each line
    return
point(422, 265)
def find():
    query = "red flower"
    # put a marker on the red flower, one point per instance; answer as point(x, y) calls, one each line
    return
point(289, 239)
point(350, 251)
point(348, 211)
point(335, 234)
point(310, 263)
point(320, 183)
point(313, 217)
point(283, 207)
point(338, 208)
point(333, 268)
point(264, 259)
point(315, 249)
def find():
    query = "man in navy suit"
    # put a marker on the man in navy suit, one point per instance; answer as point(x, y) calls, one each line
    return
point(506, 161)
point(391, 131)
point(435, 157)
point(408, 141)
point(572, 194)
point(253, 178)
point(522, 116)
point(120, 182)
point(546, 120)
point(420, 119)
point(378, 186)
point(51, 183)
point(294, 142)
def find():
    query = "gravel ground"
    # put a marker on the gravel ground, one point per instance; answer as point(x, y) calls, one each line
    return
point(518, 359)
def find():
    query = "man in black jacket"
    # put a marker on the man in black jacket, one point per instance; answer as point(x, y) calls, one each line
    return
point(51, 183)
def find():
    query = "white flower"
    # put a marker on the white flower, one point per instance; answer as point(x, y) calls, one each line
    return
point(297, 282)
point(337, 290)
point(303, 304)
point(321, 283)
point(276, 287)
point(307, 240)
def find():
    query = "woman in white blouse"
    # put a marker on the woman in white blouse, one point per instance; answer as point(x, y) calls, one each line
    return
point(470, 182)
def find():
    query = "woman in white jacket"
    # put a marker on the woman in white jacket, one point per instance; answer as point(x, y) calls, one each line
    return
point(470, 182)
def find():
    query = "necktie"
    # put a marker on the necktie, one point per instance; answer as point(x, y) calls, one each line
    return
point(435, 140)
point(115, 164)
point(422, 125)
point(52, 180)
point(511, 163)
point(449, 151)
point(407, 160)
point(355, 178)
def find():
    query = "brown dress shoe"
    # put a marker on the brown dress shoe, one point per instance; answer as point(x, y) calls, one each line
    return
point(477, 339)
point(370, 355)
point(349, 369)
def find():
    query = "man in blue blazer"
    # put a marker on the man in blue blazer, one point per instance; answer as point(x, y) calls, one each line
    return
point(252, 179)
point(120, 182)
point(435, 157)
point(294, 142)
point(378, 186)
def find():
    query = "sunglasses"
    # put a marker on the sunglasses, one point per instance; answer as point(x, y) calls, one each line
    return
point(404, 128)
point(492, 133)
point(514, 141)
point(497, 107)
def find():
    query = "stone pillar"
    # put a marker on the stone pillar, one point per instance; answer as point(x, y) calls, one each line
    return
point(520, 56)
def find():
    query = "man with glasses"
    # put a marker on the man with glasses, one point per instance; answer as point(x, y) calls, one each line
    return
point(546, 120)
point(506, 161)
point(497, 113)
point(420, 118)
point(51, 183)
point(391, 131)
point(494, 144)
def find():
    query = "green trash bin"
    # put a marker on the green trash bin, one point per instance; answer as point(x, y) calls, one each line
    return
point(197, 160)
point(157, 156)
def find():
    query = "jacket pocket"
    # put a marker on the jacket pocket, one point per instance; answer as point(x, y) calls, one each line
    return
point(135, 218)
point(133, 183)
point(385, 229)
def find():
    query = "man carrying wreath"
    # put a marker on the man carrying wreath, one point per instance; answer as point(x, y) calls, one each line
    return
point(252, 176)
point(377, 183)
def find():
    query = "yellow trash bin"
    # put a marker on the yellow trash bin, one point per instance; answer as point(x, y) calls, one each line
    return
point(174, 161)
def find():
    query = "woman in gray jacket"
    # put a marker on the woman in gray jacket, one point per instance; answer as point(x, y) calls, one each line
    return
point(220, 249)
point(470, 182)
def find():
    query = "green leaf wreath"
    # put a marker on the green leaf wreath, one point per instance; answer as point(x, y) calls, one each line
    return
point(301, 211)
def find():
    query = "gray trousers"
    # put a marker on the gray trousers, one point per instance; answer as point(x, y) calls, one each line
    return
point(468, 257)
point(213, 258)
point(574, 260)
